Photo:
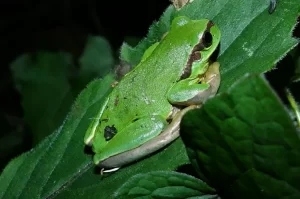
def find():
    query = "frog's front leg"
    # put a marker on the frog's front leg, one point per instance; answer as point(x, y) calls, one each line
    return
point(192, 92)
point(132, 136)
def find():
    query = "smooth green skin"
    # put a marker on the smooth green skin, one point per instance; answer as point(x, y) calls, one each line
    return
point(140, 104)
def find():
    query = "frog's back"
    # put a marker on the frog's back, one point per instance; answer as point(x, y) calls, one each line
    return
point(143, 91)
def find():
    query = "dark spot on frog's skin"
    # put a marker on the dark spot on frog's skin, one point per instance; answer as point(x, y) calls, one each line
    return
point(116, 101)
point(134, 120)
point(196, 56)
point(124, 97)
point(133, 78)
point(105, 120)
point(272, 6)
point(110, 132)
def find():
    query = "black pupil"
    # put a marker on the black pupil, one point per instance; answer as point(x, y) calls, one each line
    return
point(207, 40)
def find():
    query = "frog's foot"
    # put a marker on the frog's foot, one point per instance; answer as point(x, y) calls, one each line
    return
point(187, 93)
point(108, 170)
point(213, 78)
point(132, 136)
point(169, 134)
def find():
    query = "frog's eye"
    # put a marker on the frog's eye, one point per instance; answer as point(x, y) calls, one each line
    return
point(207, 39)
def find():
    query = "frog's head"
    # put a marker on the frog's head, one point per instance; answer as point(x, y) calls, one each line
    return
point(208, 37)
point(200, 38)
point(203, 35)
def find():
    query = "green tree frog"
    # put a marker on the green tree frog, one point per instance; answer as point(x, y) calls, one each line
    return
point(143, 112)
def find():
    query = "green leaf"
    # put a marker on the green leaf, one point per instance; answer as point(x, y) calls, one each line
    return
point(59, 159)
point(165, 184)
point(131, 40)
point(92, 185)
point(260, 188)
point(97, 59)
point(39, 77)
point(252, 39)
point(49, 83)
point(245, 128)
